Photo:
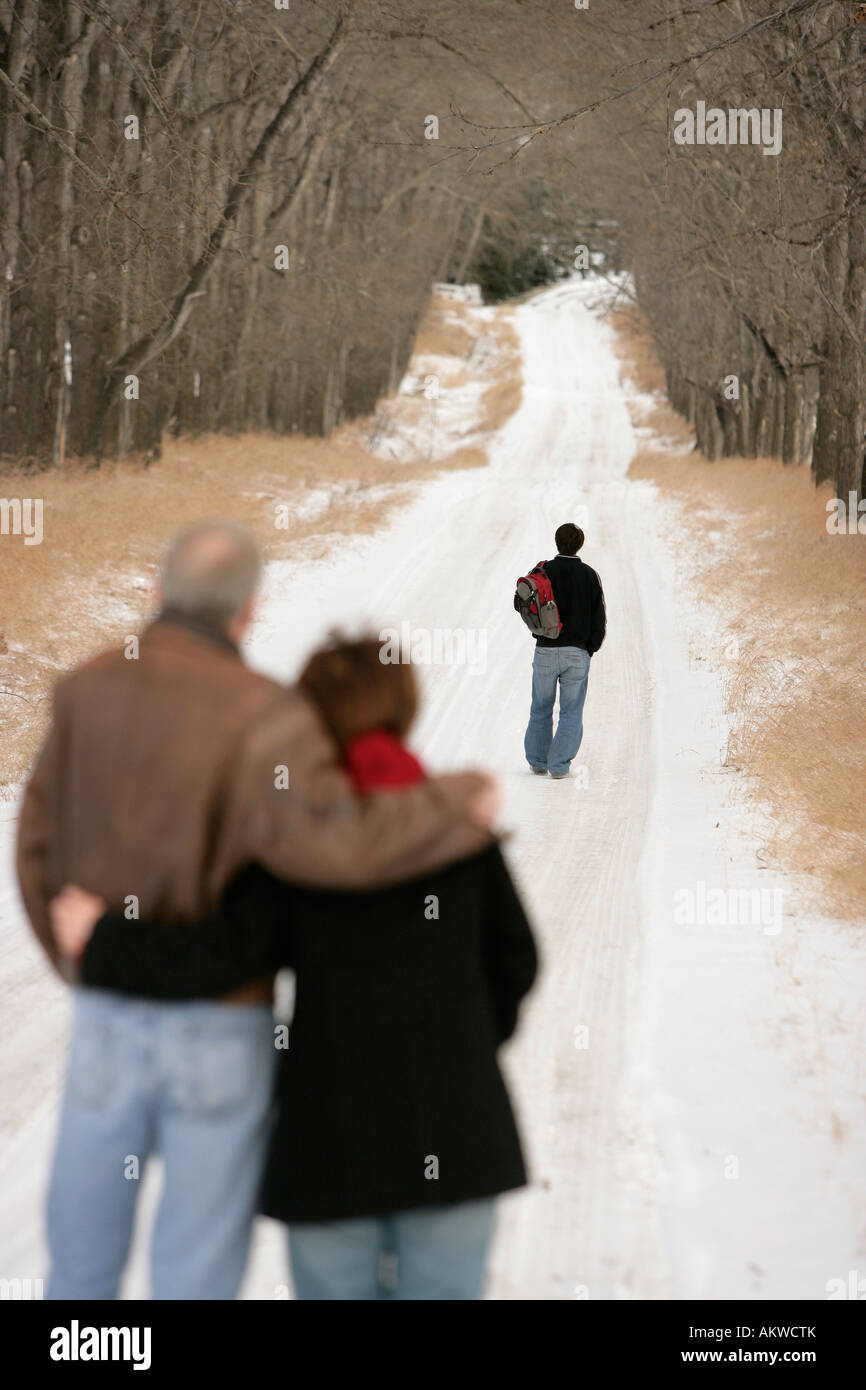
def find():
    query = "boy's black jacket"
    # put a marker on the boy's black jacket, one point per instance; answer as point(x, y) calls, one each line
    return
point(580, 600)
point(390, 1096)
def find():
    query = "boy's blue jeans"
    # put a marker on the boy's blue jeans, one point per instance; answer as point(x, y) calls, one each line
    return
point(567, 667)
point(191, 1081)
point(437, 1253)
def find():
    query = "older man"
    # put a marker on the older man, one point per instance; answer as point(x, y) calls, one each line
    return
point(168, 766)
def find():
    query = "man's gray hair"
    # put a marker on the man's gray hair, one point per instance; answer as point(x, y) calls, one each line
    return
point(210, 571)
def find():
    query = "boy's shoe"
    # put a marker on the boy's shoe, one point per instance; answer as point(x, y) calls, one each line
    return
point(539, 771)
point(558, 776)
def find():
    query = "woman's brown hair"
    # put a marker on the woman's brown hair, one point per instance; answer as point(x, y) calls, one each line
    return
point(355, 690)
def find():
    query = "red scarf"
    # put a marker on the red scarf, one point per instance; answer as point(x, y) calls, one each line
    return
point(378, 759)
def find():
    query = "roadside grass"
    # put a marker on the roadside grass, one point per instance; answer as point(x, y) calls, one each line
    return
point(790, 603)
point(446, 330)
point(502, 397)
point(90, 582)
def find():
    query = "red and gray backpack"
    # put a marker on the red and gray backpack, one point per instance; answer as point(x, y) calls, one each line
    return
point(535, 603)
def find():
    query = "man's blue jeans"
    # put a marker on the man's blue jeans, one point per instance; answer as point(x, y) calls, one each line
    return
point(439, 1254)
point(567, 667)
point(190, 1081)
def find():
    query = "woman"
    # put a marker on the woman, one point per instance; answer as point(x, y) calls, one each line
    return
point(394, 1131)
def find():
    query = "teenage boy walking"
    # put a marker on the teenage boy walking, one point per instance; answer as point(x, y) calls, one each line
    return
point(563, 661)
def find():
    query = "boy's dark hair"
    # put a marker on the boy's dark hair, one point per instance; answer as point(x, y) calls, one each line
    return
point(356, 691)
point(569, 538)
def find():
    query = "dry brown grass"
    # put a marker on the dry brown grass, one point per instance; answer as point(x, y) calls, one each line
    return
point(502, 397)
point(90, 581)
point(635, 349)
point(792, 602)
point(446, 330)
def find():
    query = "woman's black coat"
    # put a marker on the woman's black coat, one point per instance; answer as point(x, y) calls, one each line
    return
point(390, 1095)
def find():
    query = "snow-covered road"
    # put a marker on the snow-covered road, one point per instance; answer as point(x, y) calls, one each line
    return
point(451, 562)
point(690, 1095)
